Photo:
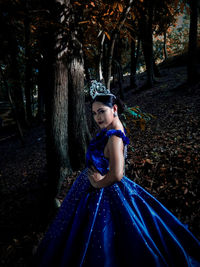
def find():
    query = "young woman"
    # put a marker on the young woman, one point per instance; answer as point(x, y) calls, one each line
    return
point(107, 220)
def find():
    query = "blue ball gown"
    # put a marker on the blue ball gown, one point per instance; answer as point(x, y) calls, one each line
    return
point(120, 225)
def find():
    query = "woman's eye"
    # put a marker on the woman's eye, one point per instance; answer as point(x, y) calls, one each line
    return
point(101, 111)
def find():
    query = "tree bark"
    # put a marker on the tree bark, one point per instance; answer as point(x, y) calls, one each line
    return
point(78, 129)
point(110, 60)
point(164, 46)
point(147, 41)
point(133, 64)
point(56, 102)
point(9, 53)
point(57, 128)
point(41, 86)
point(66, 129)
point(118, 67)
point(16, 87)
point(134, 59)
point(87, 72)
point(192, 50)
point(19, 129)
point(148, 57)
point(120, 81)
point(100, 71)
point(114, 37)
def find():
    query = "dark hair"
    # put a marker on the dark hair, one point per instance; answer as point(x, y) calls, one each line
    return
point(110, 101)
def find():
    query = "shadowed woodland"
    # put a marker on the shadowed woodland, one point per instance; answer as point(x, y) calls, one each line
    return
point(147, 53)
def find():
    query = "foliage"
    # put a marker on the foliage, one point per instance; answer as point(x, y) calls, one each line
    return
point(98, 18)
point(102, 17)
point(133, 116)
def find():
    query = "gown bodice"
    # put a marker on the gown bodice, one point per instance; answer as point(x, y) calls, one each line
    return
point(95, 153)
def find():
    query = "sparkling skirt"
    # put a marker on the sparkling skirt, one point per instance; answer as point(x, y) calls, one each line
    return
point(117, 226)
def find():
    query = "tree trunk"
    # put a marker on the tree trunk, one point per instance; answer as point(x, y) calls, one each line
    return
point(78, 129)
point(110, 54)
point(147, 42)
point(87, 72)
point(28, 66)
point(164, 45)
point(105, 60)
point(56, 102)
point(67, 132)
point(137, 51)
point(100, 72)
point(9, 53)
point(134, 59)
point(156, 69)
point(192, 50)
point(19, 129)
point(57, 128)
point(110, 60)
point(41, 87)
point(148, 57)
point(16, 87)
point(149, 62)
point(133, 64)
point(120, 81)
point(118, 67)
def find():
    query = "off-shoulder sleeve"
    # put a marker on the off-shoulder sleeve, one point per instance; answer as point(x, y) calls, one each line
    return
point(118, 133)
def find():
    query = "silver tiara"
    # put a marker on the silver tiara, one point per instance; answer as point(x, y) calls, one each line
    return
point(98, 88)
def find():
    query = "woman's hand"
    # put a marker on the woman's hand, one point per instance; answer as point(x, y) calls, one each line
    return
point(94, 176)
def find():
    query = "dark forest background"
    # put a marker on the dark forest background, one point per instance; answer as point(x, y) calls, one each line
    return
point(146, 52)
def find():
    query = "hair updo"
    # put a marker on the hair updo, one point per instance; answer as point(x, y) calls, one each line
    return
point(110, 101)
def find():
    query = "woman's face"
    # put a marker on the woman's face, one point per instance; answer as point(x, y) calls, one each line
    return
point(103, 115)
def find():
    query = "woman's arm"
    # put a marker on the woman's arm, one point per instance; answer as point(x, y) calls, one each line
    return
point(115, 148)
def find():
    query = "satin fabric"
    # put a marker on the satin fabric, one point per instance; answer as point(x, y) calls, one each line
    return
point(95, 152)
point(117, 226)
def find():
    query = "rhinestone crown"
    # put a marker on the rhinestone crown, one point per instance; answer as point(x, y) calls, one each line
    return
point(97, 88)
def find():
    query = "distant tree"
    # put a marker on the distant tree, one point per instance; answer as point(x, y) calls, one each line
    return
point(135, 48)
point(101, 50)
point(103, 22)
point(10, 56)
point(164, 46)
point(41, 90)
point(14, 111)
point(146, 31)
point(118, 65)
point(125, 11)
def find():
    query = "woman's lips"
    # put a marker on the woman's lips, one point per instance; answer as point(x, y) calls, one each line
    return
point(100, 122)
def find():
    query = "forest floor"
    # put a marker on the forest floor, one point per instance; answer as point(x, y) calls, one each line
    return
point(164, 159)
